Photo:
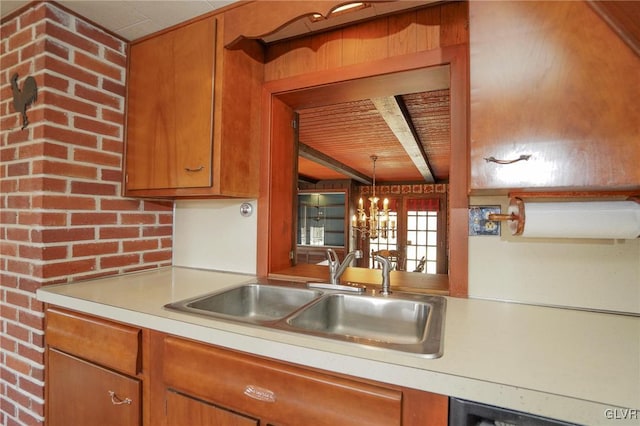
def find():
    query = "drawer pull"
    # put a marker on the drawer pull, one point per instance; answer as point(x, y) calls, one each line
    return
point(189, 169)
point(261, 394)
point(524, 157)
point(116, 400)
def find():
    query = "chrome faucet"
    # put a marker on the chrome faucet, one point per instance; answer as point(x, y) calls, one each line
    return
point(336, 269)
point(386, 279)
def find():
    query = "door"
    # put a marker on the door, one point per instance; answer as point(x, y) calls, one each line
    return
point(80, 393)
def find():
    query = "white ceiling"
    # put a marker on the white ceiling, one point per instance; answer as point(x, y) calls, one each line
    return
point(131, 19)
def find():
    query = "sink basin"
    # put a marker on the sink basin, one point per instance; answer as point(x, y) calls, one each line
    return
point(256, 303)
point(404, 322)
point(412, 324)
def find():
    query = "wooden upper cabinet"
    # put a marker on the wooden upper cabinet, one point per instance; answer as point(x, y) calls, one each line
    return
point(552, 81)
point(192, 108)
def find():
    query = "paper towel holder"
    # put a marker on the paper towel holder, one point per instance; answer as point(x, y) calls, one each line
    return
point(515, 218)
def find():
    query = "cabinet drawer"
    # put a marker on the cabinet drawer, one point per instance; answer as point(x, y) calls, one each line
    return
point(104, 342)
point(279, 394)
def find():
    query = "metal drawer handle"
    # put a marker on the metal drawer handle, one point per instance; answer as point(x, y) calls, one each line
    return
point(116, 400)
point(188, 169)
point(524, 157)
point(261, 394)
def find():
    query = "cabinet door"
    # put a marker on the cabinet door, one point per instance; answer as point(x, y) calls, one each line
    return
point(80, 393)
point(170, 109)
point(183, 410)
point(552, 81)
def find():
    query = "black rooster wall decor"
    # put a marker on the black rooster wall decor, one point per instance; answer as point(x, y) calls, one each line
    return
point(25, 97)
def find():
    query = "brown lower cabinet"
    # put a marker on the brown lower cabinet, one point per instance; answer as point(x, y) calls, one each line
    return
point(107, 381)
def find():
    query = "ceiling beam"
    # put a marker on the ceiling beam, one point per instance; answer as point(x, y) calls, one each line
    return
point(399, 121)
point(316, 156)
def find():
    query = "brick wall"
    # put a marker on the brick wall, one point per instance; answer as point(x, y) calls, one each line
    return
point(62, 218)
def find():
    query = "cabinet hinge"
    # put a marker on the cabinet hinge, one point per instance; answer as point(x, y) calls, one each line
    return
point(291, 255)
point(126, 178)
point(294, 124)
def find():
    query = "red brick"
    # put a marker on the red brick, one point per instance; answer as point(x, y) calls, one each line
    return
point(8, 217)
point(138, 218)
point(71, 267)
point(56, 15)
point(42, 184)
point(63, 34)
point(17, 135)
point(99, 97)
point(17, 332)
point(116, 117)
point(150, 205)
point(64, 202)
point(166, 242)
point(55, 82)
point(119, 261)
point(64, 169)
point(17, 299)
point(113, 145)
point(165, 219)
point(116, 58)
point(96, 157)
point(99, 66)
point(38, 149)
point(17, 365)
point(20, 38)
point(43, 253)
point(99, 36)
point(19, 201)
point(28, 284)
point(8, 281)
point(114, 87)
point(156, 231)
point(51, 46)
point(8, 185)
point(30, 319)
point(70, 104)
point(68, 136)
point(62, 235)
point(111, 175)
point(156, 256)
point(120, 204)
point(94, 249)
point(18, 169)
point(93, 188)
point(95, 126)
point(17, 234)
point(114, 233)
point(139, 245)
point(42, 218)
point(8, 249)
point(50, 116)
point(94, 219)
point(28, 385)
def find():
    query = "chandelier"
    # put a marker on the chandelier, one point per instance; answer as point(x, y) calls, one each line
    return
point(377, 223)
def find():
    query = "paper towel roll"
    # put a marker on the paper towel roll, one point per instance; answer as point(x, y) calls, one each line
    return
point(594, 219)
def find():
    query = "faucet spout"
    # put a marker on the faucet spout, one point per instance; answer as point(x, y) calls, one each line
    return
point(386, 278)
point(336, 269)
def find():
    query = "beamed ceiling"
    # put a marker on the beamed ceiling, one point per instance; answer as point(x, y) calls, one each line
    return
point(409, 133)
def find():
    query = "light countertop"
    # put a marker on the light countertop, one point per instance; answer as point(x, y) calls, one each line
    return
point(577, 366)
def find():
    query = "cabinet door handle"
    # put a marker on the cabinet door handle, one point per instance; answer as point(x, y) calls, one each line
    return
point(116, 400)
point(524, 157)
point(189, 169)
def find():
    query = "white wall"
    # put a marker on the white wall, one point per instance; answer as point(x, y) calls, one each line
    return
point(211, 234)
point(596, 274)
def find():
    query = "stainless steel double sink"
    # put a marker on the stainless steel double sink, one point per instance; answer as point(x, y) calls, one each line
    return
point(406, 322)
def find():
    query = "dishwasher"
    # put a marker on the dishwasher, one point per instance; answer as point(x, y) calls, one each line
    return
point(468, 413)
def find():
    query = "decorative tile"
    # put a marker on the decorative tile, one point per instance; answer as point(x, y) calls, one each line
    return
point(479, 223)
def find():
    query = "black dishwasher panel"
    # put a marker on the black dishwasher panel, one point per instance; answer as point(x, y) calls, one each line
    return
point(468, 413)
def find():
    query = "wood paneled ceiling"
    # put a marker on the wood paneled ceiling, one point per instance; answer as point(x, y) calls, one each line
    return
point(347, 134)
